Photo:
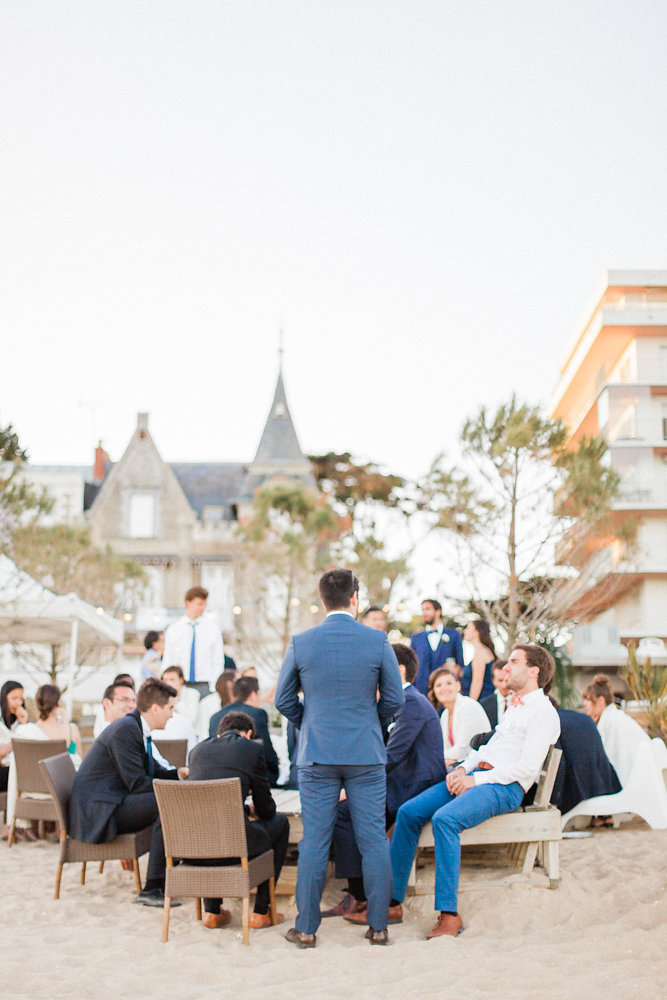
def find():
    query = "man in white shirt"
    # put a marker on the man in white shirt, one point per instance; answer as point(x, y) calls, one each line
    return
point(194, 643)
point(489, 782)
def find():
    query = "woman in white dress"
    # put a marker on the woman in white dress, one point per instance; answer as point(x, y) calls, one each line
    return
point(621, 736)
point(461, 718)
point(12, 715)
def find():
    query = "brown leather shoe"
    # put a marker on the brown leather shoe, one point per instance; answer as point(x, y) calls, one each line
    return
point(395, 916)
point(377, 937)
point(446, 924)
point(213, 920)
point(259, 920)
point(348, 904)
point(299, 939)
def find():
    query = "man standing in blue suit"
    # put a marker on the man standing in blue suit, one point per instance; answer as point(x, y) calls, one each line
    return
point(341, 666)
point(436, 645)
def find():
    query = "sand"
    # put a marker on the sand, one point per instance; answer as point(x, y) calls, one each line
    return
point(603, 933)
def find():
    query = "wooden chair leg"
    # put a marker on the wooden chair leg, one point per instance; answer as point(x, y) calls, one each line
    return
point(246, 919)
point(529, 858)
point(40, 829)
point(83, 873)
point(198, 908)
point(165, 918)
point(272, 901)
point(137, 876)
point(11, 837)
point(101, 867)
point(59, 875)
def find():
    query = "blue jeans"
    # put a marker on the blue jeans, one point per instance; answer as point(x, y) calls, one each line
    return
point(449, 814)
point(320, 785)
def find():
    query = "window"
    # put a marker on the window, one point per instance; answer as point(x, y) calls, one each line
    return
point(141, 515)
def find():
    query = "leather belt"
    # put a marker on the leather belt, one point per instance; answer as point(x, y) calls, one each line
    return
point(484, 766)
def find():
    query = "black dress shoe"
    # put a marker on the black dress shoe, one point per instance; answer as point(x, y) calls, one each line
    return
point(153, 897)
point(299, 939)
point(377, 937)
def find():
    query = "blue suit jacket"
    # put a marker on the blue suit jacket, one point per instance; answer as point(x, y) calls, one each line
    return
point(339, 665)
point(415, 751)
point(449, 647)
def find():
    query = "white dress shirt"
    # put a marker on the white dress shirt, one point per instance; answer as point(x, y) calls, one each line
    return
point(520, 744)
point(209, 654)
point(469, 720)
point(433, 635)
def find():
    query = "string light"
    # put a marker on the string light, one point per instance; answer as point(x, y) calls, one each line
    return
point(236, 610)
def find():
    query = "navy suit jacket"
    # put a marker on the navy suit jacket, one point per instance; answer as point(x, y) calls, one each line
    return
point(490, 706)
point(261, 721)
point(115, 767)
point(339, 665)
point(449, 648)
point(415, 751)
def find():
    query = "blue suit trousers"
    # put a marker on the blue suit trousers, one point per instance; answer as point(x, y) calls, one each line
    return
point(449, 814)
point(320, 786)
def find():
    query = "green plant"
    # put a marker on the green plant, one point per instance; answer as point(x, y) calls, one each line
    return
point(648, 685)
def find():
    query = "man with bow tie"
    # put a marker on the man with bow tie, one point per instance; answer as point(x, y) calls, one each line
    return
point(489, 782)
point(436, 645)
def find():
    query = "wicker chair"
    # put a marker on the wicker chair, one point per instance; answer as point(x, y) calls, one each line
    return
point(30, 782)
point(175, 752)
point(205, 819)
point(59, 776)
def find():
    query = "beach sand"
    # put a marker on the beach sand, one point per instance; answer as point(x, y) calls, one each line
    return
point(602, 934)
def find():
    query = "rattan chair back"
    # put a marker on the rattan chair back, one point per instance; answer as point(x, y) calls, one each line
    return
point(59, 775)
point(27, 755)
point(175, 752)
point(202, 819)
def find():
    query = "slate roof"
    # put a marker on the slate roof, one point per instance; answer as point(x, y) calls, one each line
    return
point(279, 441)
point(209, 484)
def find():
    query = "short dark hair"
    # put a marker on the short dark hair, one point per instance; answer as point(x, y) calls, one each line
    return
point(154, 692)
point(431, 600)
point(239, 722)
point(196, 592)
point(151, 638)
point(373, 607)
point(175, 670)
point(537, 656)
point(125, 677)
point(408, 659)
point(244, 687)
point(497, 665)
point(337, 588)
point(111, 690)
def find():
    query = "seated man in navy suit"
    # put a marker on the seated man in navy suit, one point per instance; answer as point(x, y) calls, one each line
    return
point(245, 693)
point(436, 645)
point(415, 761)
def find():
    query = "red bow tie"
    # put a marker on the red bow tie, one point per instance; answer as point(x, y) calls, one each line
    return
point(517, 700)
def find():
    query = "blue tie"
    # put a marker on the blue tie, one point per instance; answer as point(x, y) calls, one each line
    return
point(149, 751)
point(192, 655)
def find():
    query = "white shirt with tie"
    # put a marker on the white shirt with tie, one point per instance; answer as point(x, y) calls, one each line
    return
point(209, 653)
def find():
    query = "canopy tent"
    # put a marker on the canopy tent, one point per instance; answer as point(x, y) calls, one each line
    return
point(29, 613)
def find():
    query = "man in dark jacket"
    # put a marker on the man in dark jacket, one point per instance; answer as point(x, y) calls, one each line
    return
point(113, 788)
point(415, 761)
point(246, 699)
point(234, 753)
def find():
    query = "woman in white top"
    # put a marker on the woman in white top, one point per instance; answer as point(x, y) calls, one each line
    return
point(461, 718)
point(12, 715)
point(187, 700)
point(52, 724)
point(621, 736)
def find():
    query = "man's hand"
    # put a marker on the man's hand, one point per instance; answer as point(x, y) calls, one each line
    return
point(183, 773)
point(458, 781)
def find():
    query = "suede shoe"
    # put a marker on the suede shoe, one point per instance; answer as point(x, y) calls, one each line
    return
point(447, 924)
point(214, 920)
point(259, 920)
point(395, 916)
point(299, 939)
point(348, 904)
point(377, 937)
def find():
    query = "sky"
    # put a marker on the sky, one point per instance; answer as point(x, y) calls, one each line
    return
point(422, 195)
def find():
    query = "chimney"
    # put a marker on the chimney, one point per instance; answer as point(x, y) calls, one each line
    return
point(102, 463)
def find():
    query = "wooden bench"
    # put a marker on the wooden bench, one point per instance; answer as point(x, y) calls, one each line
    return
point(534, 831)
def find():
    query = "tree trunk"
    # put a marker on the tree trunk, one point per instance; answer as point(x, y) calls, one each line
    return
point(513, 589)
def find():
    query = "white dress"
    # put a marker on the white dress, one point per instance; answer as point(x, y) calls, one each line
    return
point(621, 738)
point(469, 720)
